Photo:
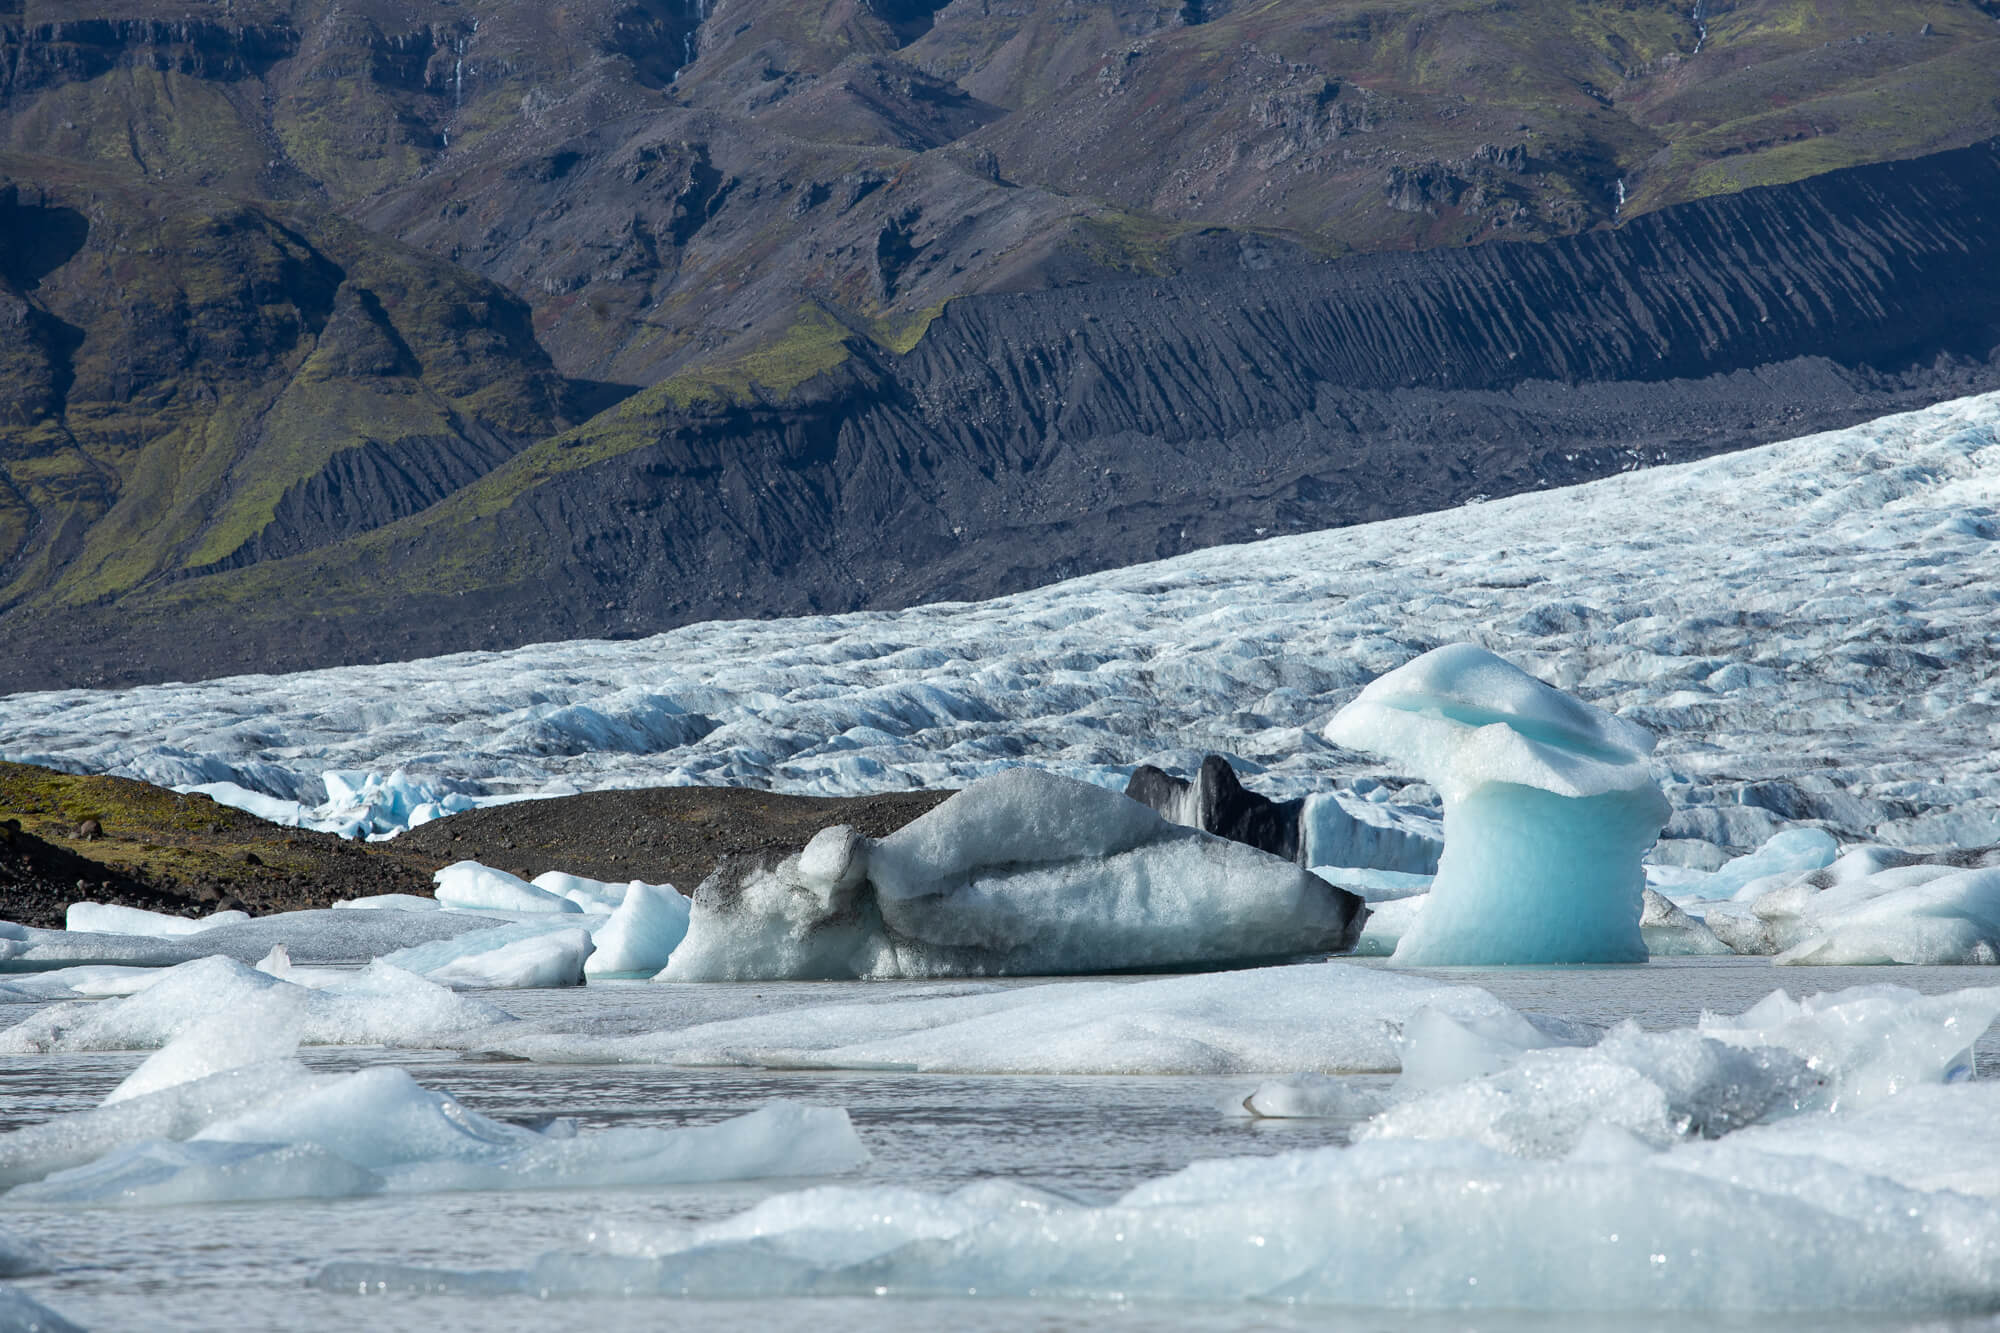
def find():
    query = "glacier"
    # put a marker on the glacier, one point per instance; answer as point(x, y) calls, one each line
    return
point(1841, 676)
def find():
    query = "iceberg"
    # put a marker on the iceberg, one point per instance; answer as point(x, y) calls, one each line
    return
point(378, 1005)
point(1918, 914)
point(641, 936)
point(1670, 932)
point(1023, 873)
point(108, 919)
point(470, 886)
point(1548, 806)
point(376, 1130)
point(554, 958)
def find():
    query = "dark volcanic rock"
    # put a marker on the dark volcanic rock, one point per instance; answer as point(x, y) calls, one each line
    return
point(1217, 802)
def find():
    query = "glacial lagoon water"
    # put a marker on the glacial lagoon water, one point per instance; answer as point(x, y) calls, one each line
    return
point(249, 1265)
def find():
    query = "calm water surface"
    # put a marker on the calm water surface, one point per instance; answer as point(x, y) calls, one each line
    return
point(246, 1265)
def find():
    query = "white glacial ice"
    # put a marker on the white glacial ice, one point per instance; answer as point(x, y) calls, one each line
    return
point(647, 926)
point(1322, 1017)
point(1024, 873)
point(1844, 673)
point(471, 886)
point(109, 919)
point(379, 1004)
point(1549, 804)
point(1599, 1186)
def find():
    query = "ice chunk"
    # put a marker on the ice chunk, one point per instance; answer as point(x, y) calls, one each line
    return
point(1440, 1048)
point(1869, 1042)
point(1919, 914)
point(1658, 1087)
point(1781, 1057)
point(468, 884)
point(1023, 873)
point(263, 1030)
point(1342, 830)
point(377, 1005)
point(592, 895)
point(407, 902)
point(642, 934)
point(1309, 1097)
point(170, 1113)
point(1548, 806)
point(1318, 1017)
point(105, 918)
point(377, 1129)
point(1390, 1226)
point(552, 959)
point(427, 959)
point(1786, 855)
point(1670, 932)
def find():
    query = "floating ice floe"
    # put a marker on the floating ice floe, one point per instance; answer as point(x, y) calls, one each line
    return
point(106, 918)
point(222, 1116)
point(1023, 873)
point(1548, 806)
point(1324, 1017)
point(647, 926)
point(379, 1004)
point(1801, 899)
point(320, 936)
point(1598, 1188)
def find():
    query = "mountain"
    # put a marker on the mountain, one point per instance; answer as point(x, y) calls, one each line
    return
point(349, 332)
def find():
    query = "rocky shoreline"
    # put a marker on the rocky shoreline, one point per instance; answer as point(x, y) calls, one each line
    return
point(189, 856)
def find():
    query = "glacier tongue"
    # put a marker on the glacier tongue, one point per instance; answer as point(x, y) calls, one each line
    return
point(1838, 675)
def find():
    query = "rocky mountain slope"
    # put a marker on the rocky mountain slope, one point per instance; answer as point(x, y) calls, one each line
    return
point(354, 331)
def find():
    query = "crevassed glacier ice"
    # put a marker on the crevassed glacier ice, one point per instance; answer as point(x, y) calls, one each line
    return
point(1022, 873)
point(1841, 675)
point(1548, 805)
point(1321, 1017)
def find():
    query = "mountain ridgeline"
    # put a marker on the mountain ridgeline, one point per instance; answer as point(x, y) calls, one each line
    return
point(358, 330)
point(1030, 436)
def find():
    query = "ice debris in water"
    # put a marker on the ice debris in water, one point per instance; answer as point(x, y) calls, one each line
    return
point(379, 1004)
point(1520, 1092)
point(555, 958)
point(1023, 873)
point(1599, 1187)
point(1324, 1017)
point(1381, 1225)
point(1548, 806)
point(224, 1112)
point(331, 1136)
